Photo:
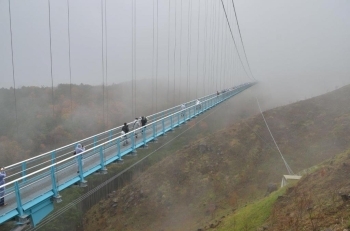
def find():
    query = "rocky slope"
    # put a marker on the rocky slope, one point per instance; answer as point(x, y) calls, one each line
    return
point(217, 174)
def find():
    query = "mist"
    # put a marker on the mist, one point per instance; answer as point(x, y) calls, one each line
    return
point(297, 49)
point(170, 54)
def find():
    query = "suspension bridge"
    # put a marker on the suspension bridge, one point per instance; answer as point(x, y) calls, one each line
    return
point(34, 185)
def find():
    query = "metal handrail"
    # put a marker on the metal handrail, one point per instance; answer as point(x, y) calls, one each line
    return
point(80, 141)
point(94, 148)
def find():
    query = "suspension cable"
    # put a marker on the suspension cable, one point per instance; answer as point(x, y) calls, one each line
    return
point(180, 76)
point(157, 57)
point(13, 66)
point(153, 93)
point(132, 60)
point(220, 26)
point(240, 35)
point(69, 60)
point(225, 59)
point(205, 47)
point(135, 58)
point(103, 67)
point(168, 52)
point(189, 49)
point(174, 56)
point(222, 52)
point(213, 45)
point(106, 82)
point(290, 172)
point(199, 13)
point(53, 103)
point(234, 41)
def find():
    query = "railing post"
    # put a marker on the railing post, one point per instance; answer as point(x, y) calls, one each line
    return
point(144, 136)
point(133, 142)
point(178, 118)
point(154, 131)
point(102, 162)
point(22, 217)
point(163, 128)
point(82, 182)
point(171, 122)
point(118, 148)
point(24, 167)
point(56, 194)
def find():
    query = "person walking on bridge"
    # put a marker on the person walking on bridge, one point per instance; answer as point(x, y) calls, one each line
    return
point(2, 189)
point(136, 125)
point(125, 129)
point(198, 105)
point(183, 107)
point(143, 123)
point(79, 149)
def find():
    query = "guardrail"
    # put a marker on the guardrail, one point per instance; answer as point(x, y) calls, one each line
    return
point(33, 164)
point(61, 171)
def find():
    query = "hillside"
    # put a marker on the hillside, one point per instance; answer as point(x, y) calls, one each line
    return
point(78, 114)
point(217, 174)
point(319, 201)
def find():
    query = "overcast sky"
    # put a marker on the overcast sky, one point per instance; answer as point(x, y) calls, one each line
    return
point(300, 42)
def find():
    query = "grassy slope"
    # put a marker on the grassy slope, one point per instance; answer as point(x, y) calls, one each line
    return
point(313, 203)
point(251, 216)
point(223, 171)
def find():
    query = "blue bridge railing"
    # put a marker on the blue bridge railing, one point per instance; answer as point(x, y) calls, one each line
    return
point(33, 183)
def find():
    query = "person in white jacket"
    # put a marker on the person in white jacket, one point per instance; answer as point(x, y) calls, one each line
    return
point(198, 105)
point(136, 125)
point(183, 107)
point(79, 149)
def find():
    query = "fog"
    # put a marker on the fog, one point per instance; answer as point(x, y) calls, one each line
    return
point(296, 49)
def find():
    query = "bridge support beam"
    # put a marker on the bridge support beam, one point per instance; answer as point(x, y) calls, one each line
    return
point(83, 182)
point(171, 123)
point(119, 160)
point(56, 195)
point(163, 127)
point(21, 218)
point(24, 167)
point(133, 144)
point(102, 162)
point(155, 139)
point(144, 129)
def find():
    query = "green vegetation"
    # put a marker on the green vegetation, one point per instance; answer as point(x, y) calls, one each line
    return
point(214, 168)
point(252, 216)
point(194, 188)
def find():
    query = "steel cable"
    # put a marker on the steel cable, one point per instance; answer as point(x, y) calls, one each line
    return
point(290, 172)
point(174, 56)
point(234, 41)
point(199, 13)
point(239, 30)
point(13, 66)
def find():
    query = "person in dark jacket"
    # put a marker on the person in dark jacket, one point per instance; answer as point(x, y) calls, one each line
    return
point(2, 189)
point(143, 122)
point(125, 128)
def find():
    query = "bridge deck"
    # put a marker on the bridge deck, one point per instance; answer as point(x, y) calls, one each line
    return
point(37, 179)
